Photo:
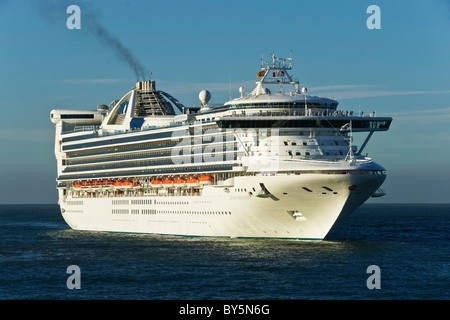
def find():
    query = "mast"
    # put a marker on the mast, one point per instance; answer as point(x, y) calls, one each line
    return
point(350, 155)
point(276, 72)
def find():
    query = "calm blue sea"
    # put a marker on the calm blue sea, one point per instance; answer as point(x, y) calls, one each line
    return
point(409, 244)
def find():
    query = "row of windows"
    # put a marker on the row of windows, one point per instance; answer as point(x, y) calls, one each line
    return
point(130, 147)
point(120, 211)
point(301, 123)
point(144, 163)
point(118, 202)
point(142, 201)
point(313, 143)
point(75, 203)
point(308, 153)
point(74, 211)
point(154, 211)
point(120, 140)
point(174, 142)
point(141, 172)
point(285, 104)
point(171, 202)
point(192, 212)
point(153, 154)
point(137, 138)
point(76, 116)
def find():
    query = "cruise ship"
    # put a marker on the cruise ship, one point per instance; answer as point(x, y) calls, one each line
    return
point(278, 164)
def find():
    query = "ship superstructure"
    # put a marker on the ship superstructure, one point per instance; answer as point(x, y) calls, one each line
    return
point(265, 164)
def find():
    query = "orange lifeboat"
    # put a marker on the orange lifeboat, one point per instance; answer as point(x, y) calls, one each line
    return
point(167, 183)
point(206, 179)
point(118, 184)
point(193, 182)
point(179, 183)
point(127, 184)
point(156, 183)
point(77, 185)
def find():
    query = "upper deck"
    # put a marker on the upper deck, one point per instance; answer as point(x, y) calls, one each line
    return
point(146, 109)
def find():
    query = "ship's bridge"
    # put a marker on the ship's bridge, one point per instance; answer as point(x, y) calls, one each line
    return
point(276, 73)
point(283, 100)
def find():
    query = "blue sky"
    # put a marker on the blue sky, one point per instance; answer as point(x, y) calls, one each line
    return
point(401, 70)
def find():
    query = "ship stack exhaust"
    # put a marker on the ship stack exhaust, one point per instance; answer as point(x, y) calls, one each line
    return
point(146, 85)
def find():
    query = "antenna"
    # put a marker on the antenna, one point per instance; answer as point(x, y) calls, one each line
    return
point(229, 84)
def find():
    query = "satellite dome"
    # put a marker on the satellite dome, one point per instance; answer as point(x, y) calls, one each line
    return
point(204, 96)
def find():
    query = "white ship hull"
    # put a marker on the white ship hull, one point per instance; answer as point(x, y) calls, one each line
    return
point(234, 209)
point(279, 165)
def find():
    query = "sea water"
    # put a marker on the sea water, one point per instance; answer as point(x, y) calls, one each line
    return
point(408, 243)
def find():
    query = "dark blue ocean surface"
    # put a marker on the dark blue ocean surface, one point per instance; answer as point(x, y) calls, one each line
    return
point(409, 243)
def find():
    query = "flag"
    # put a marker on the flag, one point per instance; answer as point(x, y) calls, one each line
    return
point(278, 74)
point(261, 74)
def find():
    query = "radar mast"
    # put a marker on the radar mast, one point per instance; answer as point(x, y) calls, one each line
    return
point(276, 72)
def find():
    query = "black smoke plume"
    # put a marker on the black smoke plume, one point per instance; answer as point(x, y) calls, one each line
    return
point(104, 36)
point(54, 11)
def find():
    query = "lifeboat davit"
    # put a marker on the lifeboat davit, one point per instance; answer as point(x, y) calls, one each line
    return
point(87, 184)
point(97, 184)
point(206, 179)
point(156, 183)
point(108, 183)
point(179, 183)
